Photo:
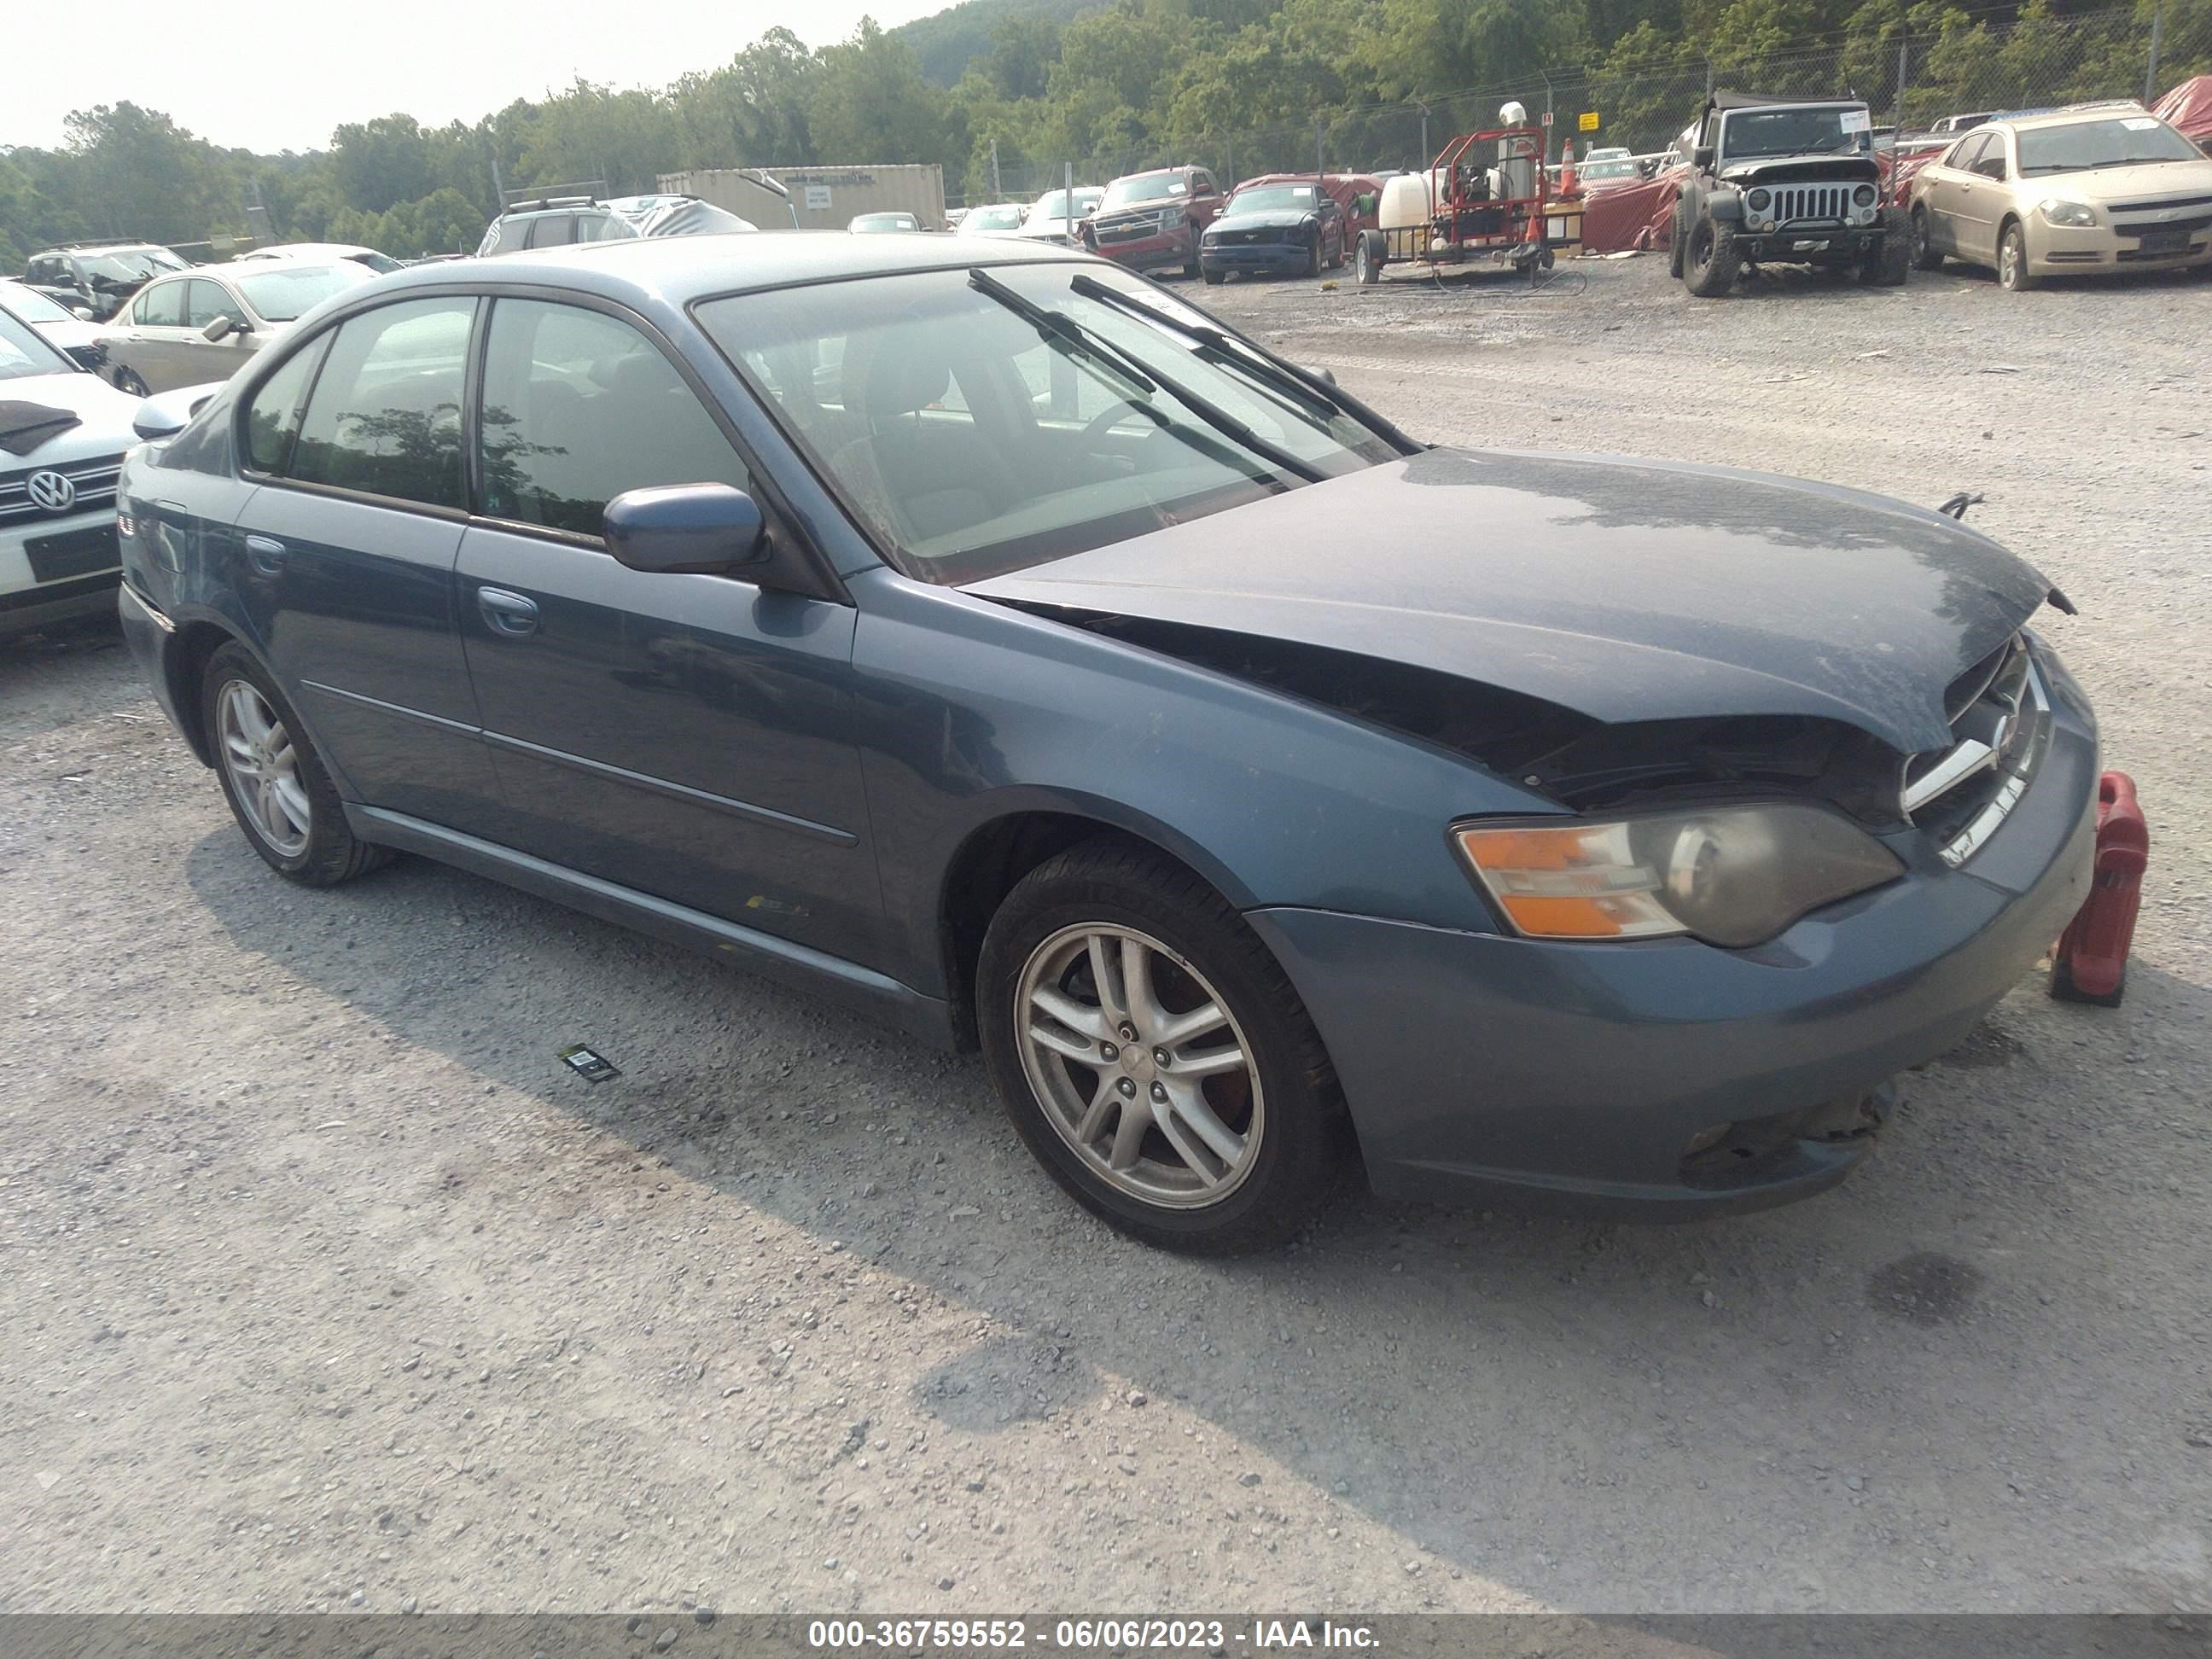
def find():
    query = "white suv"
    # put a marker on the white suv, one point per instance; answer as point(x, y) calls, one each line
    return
point(62, 440)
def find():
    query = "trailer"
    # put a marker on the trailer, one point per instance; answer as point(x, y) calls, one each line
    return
point(1473, 206)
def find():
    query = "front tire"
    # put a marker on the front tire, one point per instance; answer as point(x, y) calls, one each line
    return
point(129, 382)
point(1889, 265)
point(1212, 278)
point(1925, 257)
point(1313, 256)
point(2012, 273)
point(276, 783)
point(1710, 263)
point(1153, 1055)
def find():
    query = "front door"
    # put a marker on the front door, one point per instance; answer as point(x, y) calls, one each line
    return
point(199, 359)
point(682, 735)
point(345, 554)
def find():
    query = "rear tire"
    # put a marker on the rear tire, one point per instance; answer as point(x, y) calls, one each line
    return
point(1676, 235)
point(276, 783)
point(1239, 1138)
point(1710, 263)
point(1925, 257)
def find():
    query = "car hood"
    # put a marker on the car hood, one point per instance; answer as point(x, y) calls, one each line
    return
point(1817, 164)
point(1622, 589)
point(1266, 219)
point(103, 417)
point(2153, 182)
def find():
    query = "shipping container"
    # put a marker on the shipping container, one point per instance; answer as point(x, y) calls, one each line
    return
point(826, 197)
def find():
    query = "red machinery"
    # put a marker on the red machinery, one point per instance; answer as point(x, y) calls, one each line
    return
point(2090, 963)
point(1494, 206)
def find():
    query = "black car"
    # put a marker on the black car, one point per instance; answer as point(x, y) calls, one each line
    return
point(93, 279)
point(1277, 225)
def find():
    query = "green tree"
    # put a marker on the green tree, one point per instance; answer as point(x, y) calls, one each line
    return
point(869, 103)
point(376, 163)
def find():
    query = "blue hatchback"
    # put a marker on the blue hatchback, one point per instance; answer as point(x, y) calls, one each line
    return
point(984, 637)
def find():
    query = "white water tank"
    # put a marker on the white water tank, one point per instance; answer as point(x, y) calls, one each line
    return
point(1406, 202)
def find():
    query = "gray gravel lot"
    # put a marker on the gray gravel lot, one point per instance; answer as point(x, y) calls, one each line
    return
point(325, 1285)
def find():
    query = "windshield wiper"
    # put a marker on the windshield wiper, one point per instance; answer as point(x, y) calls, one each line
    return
point(1285, 377)
point(1054, 326)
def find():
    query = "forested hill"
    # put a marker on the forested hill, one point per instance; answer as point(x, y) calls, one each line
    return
point(948, 42)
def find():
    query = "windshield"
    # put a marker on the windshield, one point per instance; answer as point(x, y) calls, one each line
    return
point(278, 296)
point(23, 354)
point(992, 218)
point(884, 222)
point(1749, 132)
point(30, 305)
point(1153, 187)
point(2123, 140)
point(374, 261)
point(972, 444)
point(1053, 205)
point(1273, 198)
point(128, 270)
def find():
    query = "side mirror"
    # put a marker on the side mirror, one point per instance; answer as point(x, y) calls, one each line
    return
point(702, 528)
point(220, 329)
point(1701, 156)
point(168, 413)
point(1326, 377)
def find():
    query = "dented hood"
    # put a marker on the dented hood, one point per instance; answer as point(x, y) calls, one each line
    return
point(1625, 590)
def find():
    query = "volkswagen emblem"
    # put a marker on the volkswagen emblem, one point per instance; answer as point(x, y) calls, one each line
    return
point(52, 491)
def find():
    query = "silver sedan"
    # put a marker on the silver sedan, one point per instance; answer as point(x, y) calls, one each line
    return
point(204, 325)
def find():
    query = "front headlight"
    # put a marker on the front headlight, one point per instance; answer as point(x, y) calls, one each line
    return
point(1757, 201)
point(1731, 875)
point(1863, 195)
point(2060, 211)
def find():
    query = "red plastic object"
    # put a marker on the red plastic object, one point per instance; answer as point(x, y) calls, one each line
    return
point(2090, 963)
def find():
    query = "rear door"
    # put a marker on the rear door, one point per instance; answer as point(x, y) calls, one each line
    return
point(152, 335)
point(346, 554)
point(683, 735)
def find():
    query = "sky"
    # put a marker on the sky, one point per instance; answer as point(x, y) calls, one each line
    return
point(284, 82)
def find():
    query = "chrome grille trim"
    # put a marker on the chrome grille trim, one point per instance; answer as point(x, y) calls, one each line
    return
point(1795, 203)
point(1979, 829)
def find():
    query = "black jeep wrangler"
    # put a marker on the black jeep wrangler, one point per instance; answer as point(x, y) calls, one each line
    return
point(1785, 181)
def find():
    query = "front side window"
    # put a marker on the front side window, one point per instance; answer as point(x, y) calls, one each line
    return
point(385, 417)
point(2123, 140)
point(604, 228)
point(579, 407)
point(554, 230)
point(970, 443)
point(272, 418)
point(204, 301)
point(161, 305)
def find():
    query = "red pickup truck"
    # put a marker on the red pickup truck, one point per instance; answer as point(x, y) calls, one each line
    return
point(1149, 220)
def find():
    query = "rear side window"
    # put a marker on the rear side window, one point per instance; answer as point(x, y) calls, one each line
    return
point(578, 407)
point(272, 419)
point(385, 417)
point(554, 230)
point(161, 306)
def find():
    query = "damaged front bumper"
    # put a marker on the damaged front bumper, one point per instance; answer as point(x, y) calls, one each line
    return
point(1669, 1078)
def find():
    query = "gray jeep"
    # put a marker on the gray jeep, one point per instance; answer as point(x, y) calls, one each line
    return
point(1785, 181)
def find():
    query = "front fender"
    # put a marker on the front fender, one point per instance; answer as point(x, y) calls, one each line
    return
point(967, 710)
point(1724, 205)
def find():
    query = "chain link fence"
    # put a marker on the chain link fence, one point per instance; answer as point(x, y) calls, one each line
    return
point(1908, 81)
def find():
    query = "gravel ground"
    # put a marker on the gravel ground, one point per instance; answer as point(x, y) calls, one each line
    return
point(326, 1284)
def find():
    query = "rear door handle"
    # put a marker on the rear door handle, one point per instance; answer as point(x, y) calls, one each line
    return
point(267, 553)
point(508, 613)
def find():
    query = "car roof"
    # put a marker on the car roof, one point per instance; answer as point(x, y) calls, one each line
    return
point(1726, 100)
point(2067, 117)
point(678, 269)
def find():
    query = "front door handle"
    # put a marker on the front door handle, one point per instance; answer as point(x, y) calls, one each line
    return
point(267, 553)
point(508, 613)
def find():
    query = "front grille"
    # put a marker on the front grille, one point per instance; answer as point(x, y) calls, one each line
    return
point(2000, 725)
point(1125, 232)
point(1250, 238)
point(2155, 207)
point(95, 487)
point(2151, 226)
point(1796, 204)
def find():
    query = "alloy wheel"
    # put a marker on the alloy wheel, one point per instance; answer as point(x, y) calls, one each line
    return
point(263, 765)
point(1140, 1065)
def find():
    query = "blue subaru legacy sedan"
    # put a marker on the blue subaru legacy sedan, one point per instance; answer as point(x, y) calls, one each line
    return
point(983, 635)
